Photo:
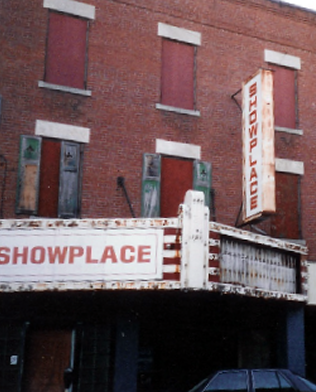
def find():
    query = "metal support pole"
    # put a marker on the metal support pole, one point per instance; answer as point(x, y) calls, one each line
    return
point(121, 184)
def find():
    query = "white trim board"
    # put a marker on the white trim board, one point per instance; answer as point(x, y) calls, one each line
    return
point(179, 34)
point(291, 131)
point(289, 166)
point(282, 59)
point(182, 150)
point(169, 108)
point(66, 89)
point(71, 7)
point(62, 131)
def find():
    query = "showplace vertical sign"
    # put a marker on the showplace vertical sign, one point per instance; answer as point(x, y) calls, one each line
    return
point(258, 146)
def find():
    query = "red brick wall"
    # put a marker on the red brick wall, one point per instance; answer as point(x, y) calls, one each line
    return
point(124, 75)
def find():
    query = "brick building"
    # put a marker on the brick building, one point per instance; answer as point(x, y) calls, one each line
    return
point(115, 109)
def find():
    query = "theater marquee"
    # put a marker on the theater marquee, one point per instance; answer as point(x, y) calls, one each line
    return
point(80, 255)
point(258, 146)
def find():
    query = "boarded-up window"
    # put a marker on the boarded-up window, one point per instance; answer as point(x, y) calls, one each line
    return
point(284, 97)
point(166, 181)
point(176, 180)
point(54, 181)
point(49, 178)
point(286, 222)
point(177, 84)
point(66, 50)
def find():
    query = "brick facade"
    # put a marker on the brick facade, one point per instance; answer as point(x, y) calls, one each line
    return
point(124, 76)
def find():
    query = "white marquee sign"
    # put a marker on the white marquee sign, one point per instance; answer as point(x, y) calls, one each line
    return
point(80, 255)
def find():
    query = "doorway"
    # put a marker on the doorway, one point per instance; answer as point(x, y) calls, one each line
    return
point(48, 353)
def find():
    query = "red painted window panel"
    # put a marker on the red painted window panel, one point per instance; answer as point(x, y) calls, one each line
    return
point(285, 223)
point(49, 179)
point(177, 86)
point(176, 179)
point(66, 51)
point(284, 97)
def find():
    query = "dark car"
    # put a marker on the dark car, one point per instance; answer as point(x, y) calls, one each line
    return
point(255, 380)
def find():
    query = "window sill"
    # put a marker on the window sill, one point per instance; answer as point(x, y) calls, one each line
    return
point(167, 108)
point(65, 89)
point(289, 130)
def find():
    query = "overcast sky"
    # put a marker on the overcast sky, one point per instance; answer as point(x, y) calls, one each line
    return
point(310, 4)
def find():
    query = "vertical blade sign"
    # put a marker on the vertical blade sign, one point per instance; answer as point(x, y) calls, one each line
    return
point(258, 146)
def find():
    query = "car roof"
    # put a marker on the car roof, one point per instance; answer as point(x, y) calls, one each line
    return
point(295, 379)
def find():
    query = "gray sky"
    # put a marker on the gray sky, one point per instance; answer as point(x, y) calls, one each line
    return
point(310, 4)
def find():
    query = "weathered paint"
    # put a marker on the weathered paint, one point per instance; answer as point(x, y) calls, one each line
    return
point(231, 289)
point(284, 96)
point(28, 174)
point(265, 268)
point(66, 50)
point(86, 254)
point(271, 286)
point(312, 287)
point(88, 223)
point(258, 146)
point(195, 241)
point(89, 286)
point(151, 183)
point(202, 179)
point(177, 74)
point(257, 238)
point(195, 256)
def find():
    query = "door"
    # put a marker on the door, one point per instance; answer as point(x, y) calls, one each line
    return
point(47, 354)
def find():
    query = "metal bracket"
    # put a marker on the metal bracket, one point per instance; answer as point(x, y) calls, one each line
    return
point(120, 181)
point(235, 100)
point(4, 166)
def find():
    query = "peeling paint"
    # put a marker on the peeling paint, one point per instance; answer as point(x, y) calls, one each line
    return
point(257, 238)
point(253, 292)
point(176, 260)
